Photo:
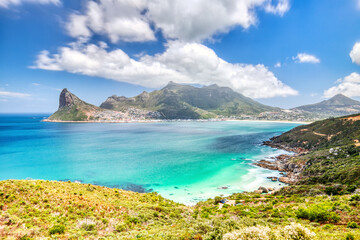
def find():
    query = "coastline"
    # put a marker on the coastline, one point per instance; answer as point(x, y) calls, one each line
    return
point(290, 171)
point(173, 120)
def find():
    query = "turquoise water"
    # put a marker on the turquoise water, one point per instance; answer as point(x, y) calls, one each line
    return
point(183, 161)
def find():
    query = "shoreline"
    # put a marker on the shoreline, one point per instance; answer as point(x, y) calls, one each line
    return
point(290, 171)
point(174, 120)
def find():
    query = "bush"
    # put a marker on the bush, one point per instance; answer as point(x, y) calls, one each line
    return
point(318, 213)
point(250, 233)
point(88, 227)
point(293, 231)
point(120, 227)
point(57, 229)
point(355, 197)
point(25, 238)
point(352, 225)
point(349, 236)
point(296, 231)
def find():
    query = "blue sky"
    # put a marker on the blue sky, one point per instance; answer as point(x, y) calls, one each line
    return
point(283, 53)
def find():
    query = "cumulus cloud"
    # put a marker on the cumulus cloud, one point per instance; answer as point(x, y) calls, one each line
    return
point(277, 65)
point(7, 3)
point(306, 58)
point(5, 94)
point(280, 8)
point(349, 86)
point(185, 20)
point(121, 19)
point(355, 53)
point(181, 62)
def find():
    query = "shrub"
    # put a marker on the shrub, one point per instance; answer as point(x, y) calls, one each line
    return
point(296, 231)
point(349, 236)
point(217, 200)
point(355, 197)
point(250, 233)
point(57, 229)
point(352, 225)
point(25, 238)
point(318, 213)
point(88, 227)
point(120, 227)
point(293, 231)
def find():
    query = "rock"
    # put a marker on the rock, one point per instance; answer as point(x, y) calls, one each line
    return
point(263, 189)
point(258, 191)
point(66, 98)
point(274, 179)
point(270, 189)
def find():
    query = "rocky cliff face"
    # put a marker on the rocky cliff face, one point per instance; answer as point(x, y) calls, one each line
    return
point(66, 98)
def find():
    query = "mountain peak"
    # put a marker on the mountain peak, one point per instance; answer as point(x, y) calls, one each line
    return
point(66, 98)
point(339, 97)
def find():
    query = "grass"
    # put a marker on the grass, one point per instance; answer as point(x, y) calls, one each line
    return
point(32, 209)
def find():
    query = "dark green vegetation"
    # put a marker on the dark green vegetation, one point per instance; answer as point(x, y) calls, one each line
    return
point(32, 209)
point(72, 108)
point(338, 105)
point(332, 163)
point(327, 133)
point(176, 101)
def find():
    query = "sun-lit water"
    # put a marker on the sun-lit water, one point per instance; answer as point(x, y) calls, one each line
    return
point(183, 161)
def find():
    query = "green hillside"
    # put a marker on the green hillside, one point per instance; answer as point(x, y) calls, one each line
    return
point(322, 134)
point(31, 209)
point(72, 108)
point(332, 163)
point(176, 101)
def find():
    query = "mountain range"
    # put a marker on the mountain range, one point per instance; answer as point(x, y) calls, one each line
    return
point(338, 105)
point(177, 101)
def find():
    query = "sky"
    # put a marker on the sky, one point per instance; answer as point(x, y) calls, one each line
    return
point(283, 53)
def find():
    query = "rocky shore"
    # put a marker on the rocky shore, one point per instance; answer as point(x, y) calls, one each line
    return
point(290, 171)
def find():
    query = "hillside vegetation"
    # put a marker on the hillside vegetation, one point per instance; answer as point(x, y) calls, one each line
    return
point(176, 101)
point(332, 162)
point(72, 108)
point(322, 134)
point(33, 209)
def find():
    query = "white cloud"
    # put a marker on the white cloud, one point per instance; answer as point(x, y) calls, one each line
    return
point(13, 94)
point(277, 65)
point(355, 53)
point(306, 58)
point(181, 62)
point(7, 3)
point(36, 84)
point(122, 19)
point(349, 86)
point(280, 8)
point(185, 20)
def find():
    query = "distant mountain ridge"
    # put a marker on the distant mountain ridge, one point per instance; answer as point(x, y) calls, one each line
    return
point(338, 105)
point(72, 108)
point(176, 101)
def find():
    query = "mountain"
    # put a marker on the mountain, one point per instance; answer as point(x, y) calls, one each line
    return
point(176, 101)
point(72, 108)
point(338, 105)
point(321, 134)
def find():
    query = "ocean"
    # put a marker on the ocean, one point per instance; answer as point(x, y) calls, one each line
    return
point(184, 161)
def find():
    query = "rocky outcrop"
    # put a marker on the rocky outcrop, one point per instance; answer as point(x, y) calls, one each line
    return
point(281, 163)
point(66, 98)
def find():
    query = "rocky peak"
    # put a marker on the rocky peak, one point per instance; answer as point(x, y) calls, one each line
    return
point(66, 98)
